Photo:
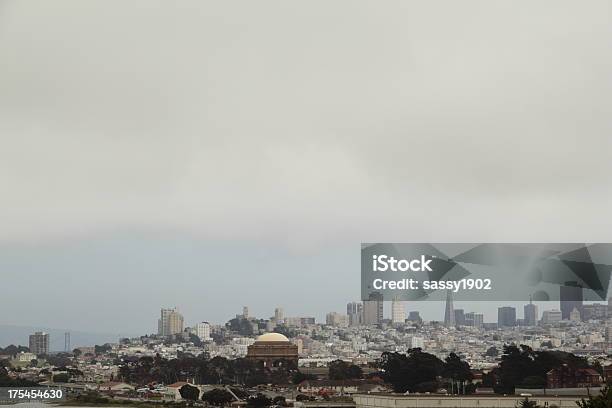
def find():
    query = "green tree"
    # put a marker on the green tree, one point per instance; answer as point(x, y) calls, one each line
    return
point(457, 369)
point(603, 400)
point(61, 378)
point(413, 371)
point(189, 392)
point(299, 376)
point(195, 340)
point(458, 373)
point(259, 401)
point(519, 363)
point(217, 397)
point(240, 325)
point(341, 370)
point(105, 348)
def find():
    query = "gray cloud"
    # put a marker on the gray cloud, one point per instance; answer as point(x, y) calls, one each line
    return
point(307, 126)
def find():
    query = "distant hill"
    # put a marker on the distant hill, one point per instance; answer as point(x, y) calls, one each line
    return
point(19, 335)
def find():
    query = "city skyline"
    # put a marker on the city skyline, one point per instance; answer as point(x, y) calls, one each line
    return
point(468, 308)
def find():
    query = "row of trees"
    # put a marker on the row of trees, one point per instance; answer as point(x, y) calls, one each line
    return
point(520, 366)
point(12, 350)
point(6, 381)
point(525, 368)
point(217, 370)
point(418, 371)
point(220, 370)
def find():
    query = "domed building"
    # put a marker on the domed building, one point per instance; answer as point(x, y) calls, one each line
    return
point(274, 350)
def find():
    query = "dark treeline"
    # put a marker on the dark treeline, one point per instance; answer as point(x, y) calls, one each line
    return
point(525, 368)
point(6, 381)
point(418, 371)
point(202, 370)
point(12, 350)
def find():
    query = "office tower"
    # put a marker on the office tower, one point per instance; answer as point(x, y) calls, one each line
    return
point(39, 343)
point(570, 297)
point(449, 312)
point(478, 319)
point(202, 330)
point(415, 317)
point(279, 315)
point(373, 309)
point(336, 319)
point(354, 310)
point(459, 317)
point(170, 322)
point(67, 342)
point(530, 314)
point(245, 312)
point(551, 316)
point(506, 316)
point(398, 312)
point(474, 319)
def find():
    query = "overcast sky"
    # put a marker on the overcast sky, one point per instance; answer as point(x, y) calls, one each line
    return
point(211, 155)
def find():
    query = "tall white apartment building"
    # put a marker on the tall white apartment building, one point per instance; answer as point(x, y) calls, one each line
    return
point(398, 312)
point(170, 322)
point(202, 330)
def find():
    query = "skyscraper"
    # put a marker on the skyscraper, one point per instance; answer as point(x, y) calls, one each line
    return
point(398, 312)
point(570, 298)
point(245, 312)
point(449, 311)
point(373, 309)
point(459, 317)
point(530, 313)
point(39, 343)
point(354, 310)
point(170, 322)
point(279, 315)
point(474, 319)
point(478, 319)
point(506, 316)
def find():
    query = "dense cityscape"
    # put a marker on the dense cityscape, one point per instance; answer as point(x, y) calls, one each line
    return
point(350, 353)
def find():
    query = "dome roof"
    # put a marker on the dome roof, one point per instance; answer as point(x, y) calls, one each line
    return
point(275, 337)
